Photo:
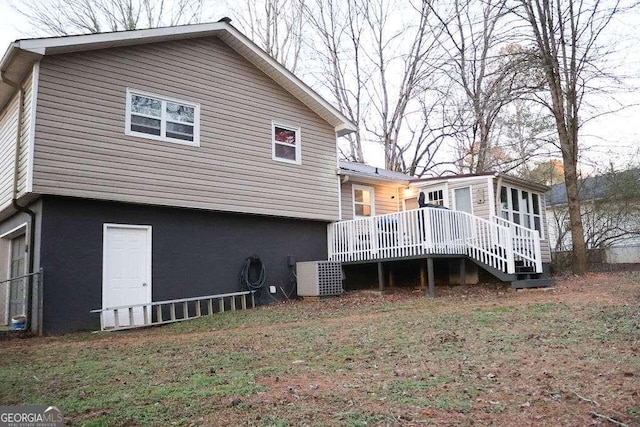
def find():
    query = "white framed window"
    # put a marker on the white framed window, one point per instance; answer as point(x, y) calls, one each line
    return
point(363, 201)
point(161, 118)
point(462, 199)
point(435, 196)
point(522, 207)
point(286, 143)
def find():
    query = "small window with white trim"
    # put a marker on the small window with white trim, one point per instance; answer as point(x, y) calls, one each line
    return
point(285, 143)
point(363, 201)
point(161, 118)
point(435, 197)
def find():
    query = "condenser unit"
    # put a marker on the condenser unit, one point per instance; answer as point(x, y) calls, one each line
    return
point(319, 278)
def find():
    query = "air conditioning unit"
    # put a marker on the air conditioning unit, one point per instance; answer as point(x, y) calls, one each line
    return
point(319, 278)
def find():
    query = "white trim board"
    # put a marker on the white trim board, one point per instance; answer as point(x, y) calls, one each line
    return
point(15, 231)
point(35, 79)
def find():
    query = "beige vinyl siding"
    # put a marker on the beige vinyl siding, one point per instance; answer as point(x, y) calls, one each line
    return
point(386, 198)
point(8, 127)
point(25, 134)
point(82, 149)
point(479, 195)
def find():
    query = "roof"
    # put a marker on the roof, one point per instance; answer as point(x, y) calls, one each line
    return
point(508, 178)
point(371, 172)
point(379, 174)
point(21, 54)
point(591, 188)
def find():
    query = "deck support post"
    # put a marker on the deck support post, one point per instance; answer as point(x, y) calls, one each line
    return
point(392, 278)
point(423, 274)
point(463, 272)
point(431, 278)
point(380, 277)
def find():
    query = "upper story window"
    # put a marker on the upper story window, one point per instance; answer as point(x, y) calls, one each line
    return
point(165, 119)
point(363, 201)
point(286, 143)
point(522, 207)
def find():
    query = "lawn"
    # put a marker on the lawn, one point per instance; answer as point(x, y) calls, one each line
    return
point(481, 355)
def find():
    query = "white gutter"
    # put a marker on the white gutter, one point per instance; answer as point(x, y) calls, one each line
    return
point(421, 184)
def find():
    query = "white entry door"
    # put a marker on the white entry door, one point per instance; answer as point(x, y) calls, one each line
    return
point(126, 272)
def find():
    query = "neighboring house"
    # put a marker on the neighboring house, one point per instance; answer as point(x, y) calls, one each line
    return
point(148, 165)
point(610, 211)
point(382, 222)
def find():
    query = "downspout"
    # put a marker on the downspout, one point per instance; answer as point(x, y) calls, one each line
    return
point(14, 199)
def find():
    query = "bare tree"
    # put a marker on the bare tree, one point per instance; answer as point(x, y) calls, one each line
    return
point(376, 61)
point(526, 133)
point(566, 35)
point(425, 139)
point(396, 86)
point(275, 25)
point(63, 17)
point(486, 70)
point(339, 26)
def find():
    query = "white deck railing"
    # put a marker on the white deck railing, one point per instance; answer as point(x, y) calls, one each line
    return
point(427, 231)
point(526, 243)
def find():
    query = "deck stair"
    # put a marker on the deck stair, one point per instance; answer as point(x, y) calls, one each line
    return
point(527, 277)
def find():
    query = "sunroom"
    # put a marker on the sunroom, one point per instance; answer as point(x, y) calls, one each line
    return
point(495, 221)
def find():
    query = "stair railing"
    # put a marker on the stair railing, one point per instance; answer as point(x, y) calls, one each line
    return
point(525, 243)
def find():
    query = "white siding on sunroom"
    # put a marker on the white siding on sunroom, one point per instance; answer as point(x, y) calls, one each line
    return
point(480, 200)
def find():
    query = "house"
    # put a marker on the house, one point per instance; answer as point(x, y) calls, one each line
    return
point(486, 214)
point(147, 165)
point(610, 214)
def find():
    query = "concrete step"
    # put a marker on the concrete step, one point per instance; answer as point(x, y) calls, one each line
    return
point(532, 283)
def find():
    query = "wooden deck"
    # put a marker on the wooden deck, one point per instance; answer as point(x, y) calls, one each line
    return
point(496, 244)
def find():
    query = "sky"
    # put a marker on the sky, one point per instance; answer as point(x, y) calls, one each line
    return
point(610, 139)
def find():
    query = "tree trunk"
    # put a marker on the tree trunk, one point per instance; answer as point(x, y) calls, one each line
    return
point(579, 254)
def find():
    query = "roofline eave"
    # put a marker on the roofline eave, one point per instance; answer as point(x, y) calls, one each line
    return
point(254, 54)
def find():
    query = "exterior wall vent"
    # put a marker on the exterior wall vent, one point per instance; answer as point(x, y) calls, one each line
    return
point(319, 278)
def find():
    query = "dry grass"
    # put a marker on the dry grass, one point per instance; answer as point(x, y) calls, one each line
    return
point(485, 355)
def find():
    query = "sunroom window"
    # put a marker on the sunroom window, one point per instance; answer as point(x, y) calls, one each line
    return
point(436, 197)
point(521, 207)
point(157, 117)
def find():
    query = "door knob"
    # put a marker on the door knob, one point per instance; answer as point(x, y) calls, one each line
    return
point(144, 284)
